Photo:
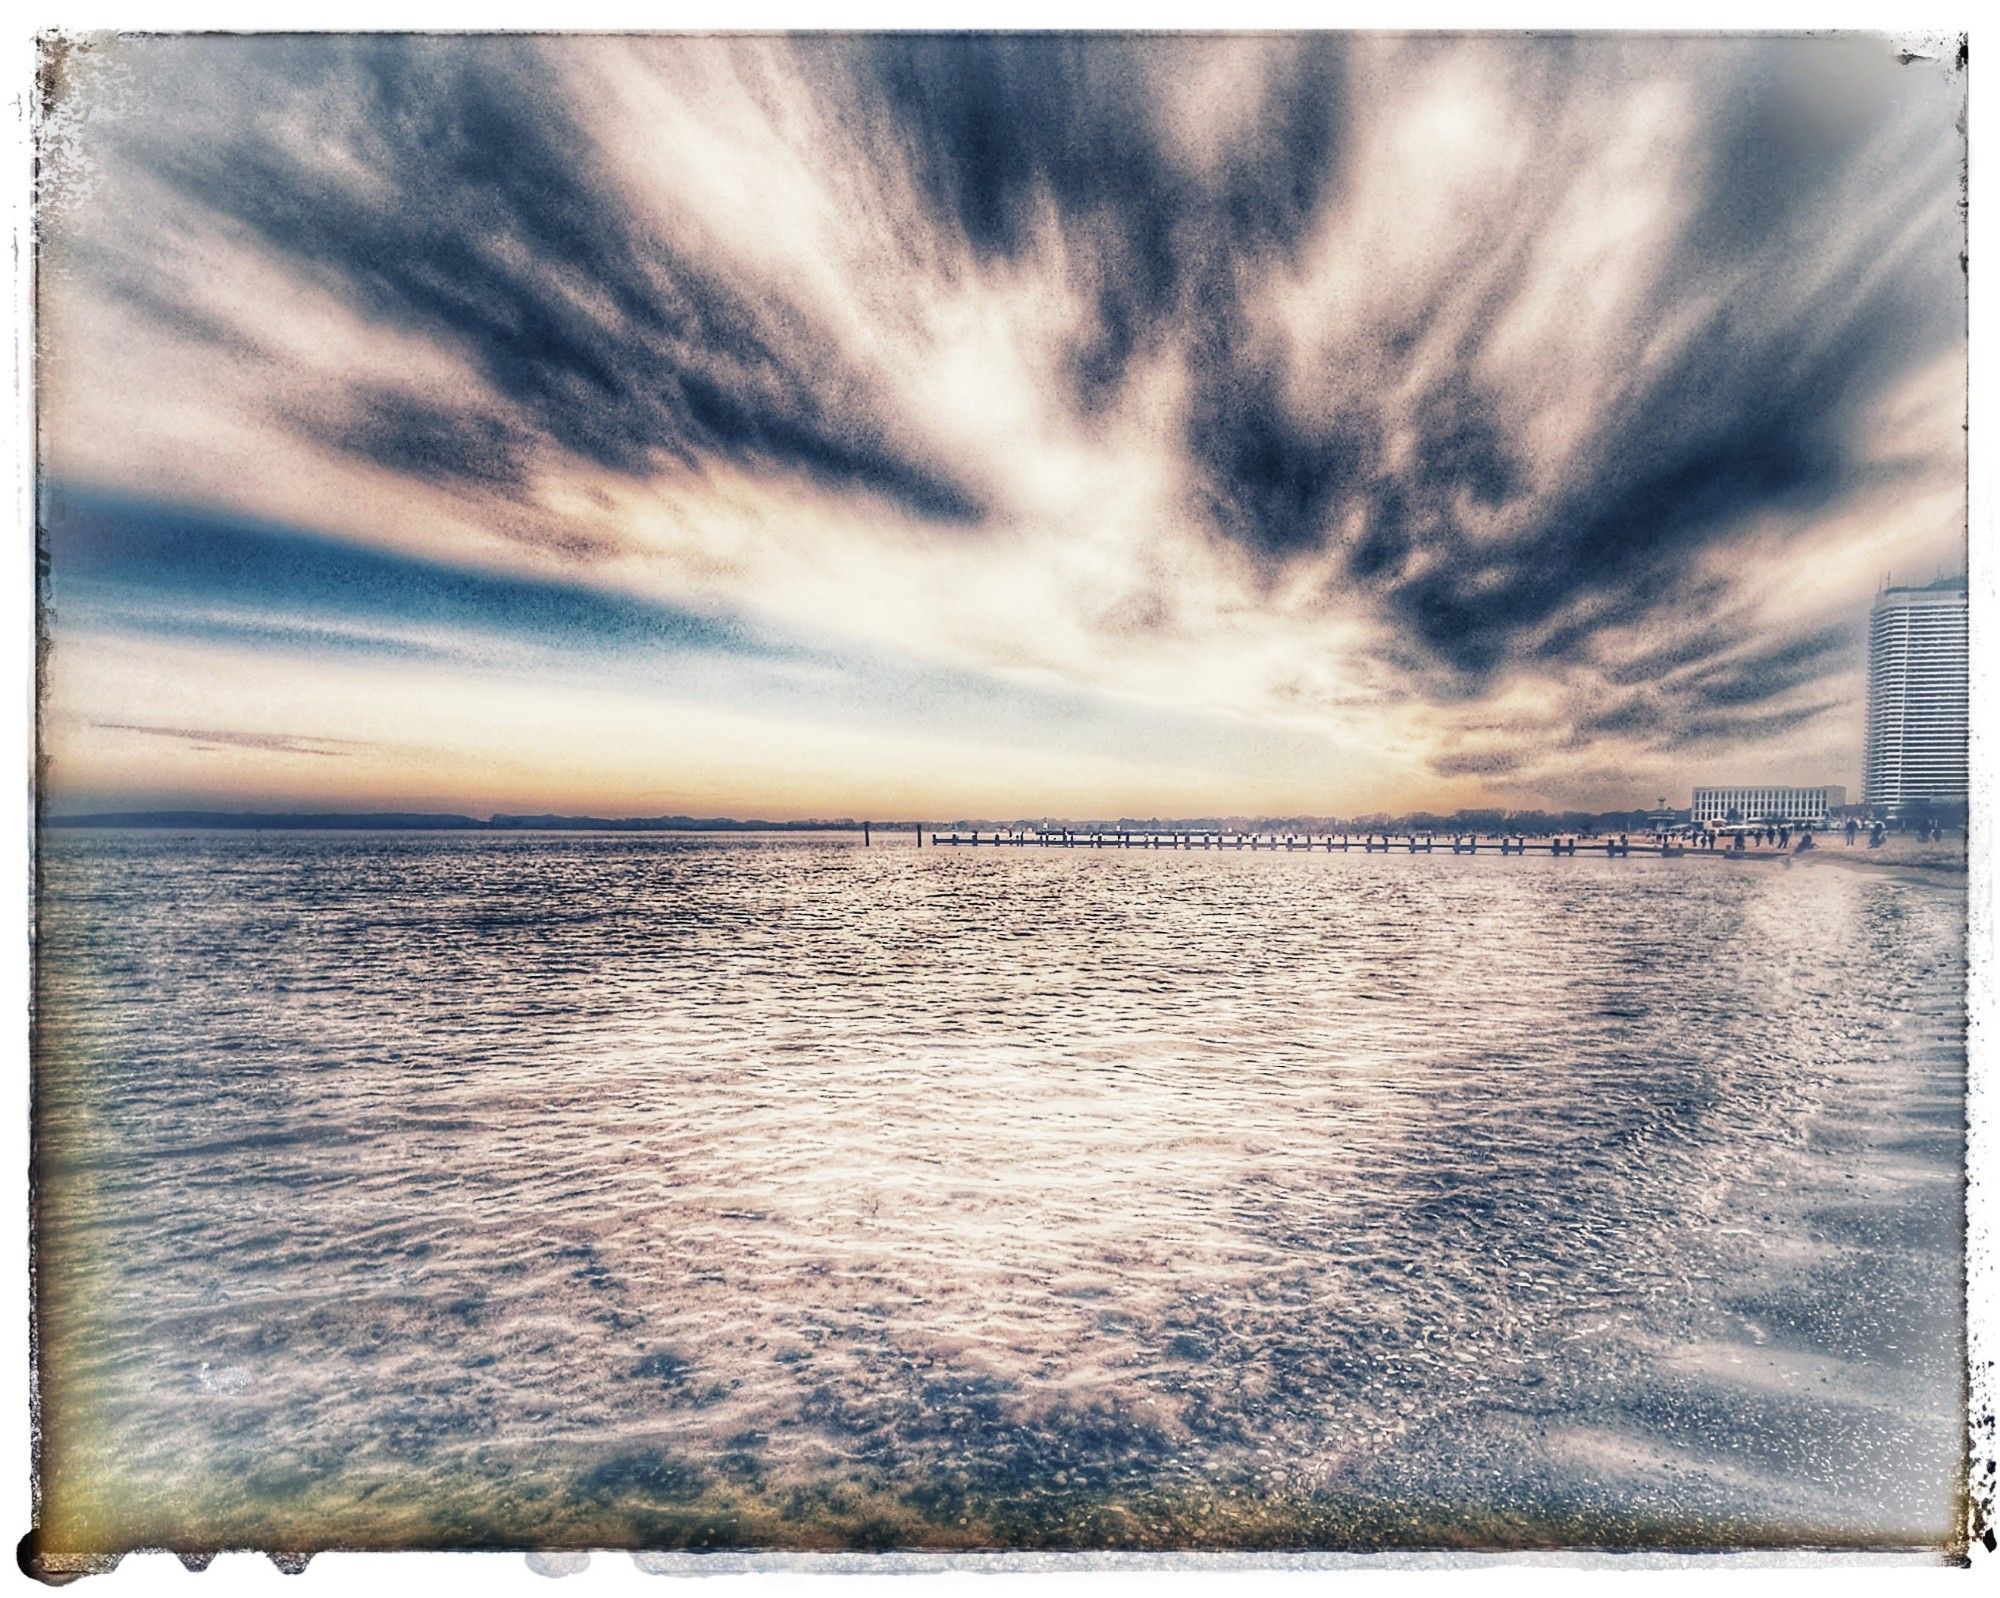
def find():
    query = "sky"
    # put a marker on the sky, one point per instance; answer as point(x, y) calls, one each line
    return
point(936, 426)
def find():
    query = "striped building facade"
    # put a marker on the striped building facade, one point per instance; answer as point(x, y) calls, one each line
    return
point(1750, 806)
point(1918, 694)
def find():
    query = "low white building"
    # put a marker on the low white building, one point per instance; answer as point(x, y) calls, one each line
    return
point(1794, 807)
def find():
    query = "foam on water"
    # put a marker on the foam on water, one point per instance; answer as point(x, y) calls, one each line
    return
point(543, 1189)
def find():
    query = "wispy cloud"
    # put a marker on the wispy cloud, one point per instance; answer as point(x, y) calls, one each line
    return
point(225, 738)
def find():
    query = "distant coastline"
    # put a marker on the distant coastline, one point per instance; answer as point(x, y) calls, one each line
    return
point(433, 821)
point(1484, 823)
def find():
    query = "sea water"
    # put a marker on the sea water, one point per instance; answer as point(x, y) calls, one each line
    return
point(541, 1189)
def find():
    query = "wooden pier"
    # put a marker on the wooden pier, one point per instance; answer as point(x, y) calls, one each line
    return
point(1331, 843)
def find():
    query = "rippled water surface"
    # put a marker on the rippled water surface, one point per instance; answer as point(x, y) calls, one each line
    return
point(609, 1190)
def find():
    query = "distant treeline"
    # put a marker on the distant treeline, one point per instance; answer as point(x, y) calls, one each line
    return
point(1487, 823)
point(428, 821)
point(1533, 822)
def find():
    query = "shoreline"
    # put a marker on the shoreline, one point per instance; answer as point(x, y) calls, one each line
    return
point(1929, 865)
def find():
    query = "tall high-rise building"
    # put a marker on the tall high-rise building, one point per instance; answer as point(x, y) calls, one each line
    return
point(1918, 689)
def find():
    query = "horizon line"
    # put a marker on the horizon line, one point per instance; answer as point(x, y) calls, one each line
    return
point(551, 821)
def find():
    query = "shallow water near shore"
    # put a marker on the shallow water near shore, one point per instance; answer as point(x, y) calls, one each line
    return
point(421, 1190)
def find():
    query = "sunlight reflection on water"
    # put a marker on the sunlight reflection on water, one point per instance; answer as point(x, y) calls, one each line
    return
point(407, 1188)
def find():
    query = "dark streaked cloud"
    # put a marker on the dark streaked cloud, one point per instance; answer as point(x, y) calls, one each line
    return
point(1011, 134)
point(1748, 422)
point(1759, 674)
point(1495, 763)
point(447, 187)
point(1705, 732)
point(407, 433)
point(1759, 410)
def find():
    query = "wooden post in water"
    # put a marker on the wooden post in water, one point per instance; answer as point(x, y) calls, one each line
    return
point(864, 835)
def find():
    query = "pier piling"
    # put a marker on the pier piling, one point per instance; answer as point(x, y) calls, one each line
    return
point(1619, 847)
